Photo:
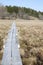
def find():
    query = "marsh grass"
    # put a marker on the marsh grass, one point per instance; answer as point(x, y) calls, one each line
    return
point(30, 36)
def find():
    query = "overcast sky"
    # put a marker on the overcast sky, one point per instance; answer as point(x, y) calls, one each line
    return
point(34, 4)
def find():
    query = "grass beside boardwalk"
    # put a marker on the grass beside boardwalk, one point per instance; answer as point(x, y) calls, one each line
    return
point(30, 34)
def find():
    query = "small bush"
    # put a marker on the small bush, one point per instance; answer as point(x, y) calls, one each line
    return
point(1, 43)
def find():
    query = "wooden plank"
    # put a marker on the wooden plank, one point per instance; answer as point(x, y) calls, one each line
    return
point(7, 51)
point(15, 50)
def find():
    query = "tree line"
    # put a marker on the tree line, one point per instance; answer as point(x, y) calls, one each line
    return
point(21, 12)
point(31, 12)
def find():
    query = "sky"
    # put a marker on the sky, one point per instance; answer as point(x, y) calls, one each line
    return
point(34, 4)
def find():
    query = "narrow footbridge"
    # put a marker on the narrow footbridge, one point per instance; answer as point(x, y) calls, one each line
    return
point(11, 55)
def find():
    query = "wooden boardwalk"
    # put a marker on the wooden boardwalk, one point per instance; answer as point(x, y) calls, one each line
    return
point(11, 54)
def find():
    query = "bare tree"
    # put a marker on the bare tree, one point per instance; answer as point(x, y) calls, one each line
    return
point(3, 11)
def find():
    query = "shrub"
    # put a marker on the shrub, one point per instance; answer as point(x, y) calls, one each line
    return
point(1, 43)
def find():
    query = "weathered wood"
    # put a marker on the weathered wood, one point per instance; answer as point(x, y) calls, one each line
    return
point(11, 54)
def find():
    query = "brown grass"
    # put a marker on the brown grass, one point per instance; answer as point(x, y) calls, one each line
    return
point(30, 34)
